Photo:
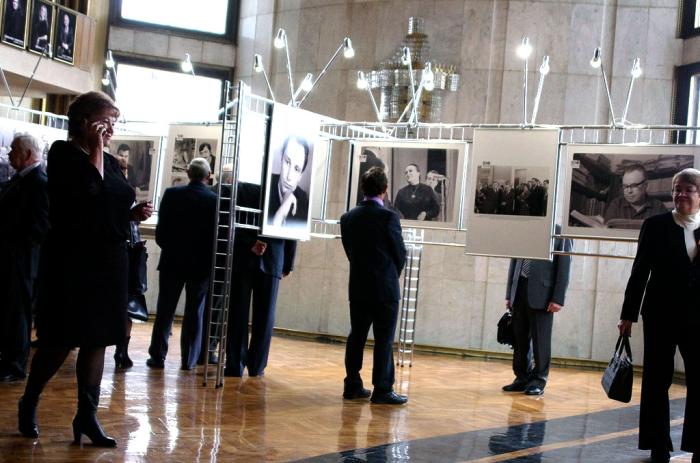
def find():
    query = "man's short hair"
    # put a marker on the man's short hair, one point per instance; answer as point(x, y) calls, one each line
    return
point(414, 165)
point(26, 141)
point(633, 168)
point(374, 182)
point(689, 175)
point(304, 144)
point(202, 145)
point(198, 169)
point(123, 147)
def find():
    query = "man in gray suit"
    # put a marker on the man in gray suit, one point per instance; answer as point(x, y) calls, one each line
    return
point(535, 292)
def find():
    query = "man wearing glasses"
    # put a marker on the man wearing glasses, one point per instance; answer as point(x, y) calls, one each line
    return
point(634, 203)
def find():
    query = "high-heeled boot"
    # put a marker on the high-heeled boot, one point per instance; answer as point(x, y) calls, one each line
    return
point(121, 355)
point(85, 421)
point(26, 416)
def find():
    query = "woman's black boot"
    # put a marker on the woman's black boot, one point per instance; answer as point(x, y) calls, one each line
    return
point(85, 421)
point(121, 355)
point(26, 416)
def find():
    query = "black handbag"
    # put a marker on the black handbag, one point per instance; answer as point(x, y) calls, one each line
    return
point(138, 277)
point(618, 376)
point(505, 333)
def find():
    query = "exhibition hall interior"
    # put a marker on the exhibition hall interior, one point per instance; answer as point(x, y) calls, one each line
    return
point(349, 230)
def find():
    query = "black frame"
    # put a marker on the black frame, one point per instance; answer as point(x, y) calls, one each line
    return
point(681, 95)
point(230, 36)
point(51, 7)
point(74, 20)
point(26, 24)
point(687, 19)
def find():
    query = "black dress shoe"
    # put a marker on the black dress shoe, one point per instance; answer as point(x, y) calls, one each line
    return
point(351, 394)
point(11, 376)
point(660, 456)
point(534, 390)
point(388, 398)
point(157, 364)
point(515, 386)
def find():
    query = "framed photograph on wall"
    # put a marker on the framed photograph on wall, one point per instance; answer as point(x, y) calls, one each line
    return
point(289, 173)
point(611, 189)
point(14, 23)
point(138, 155)
point(40, 26)
point(510, 193)
point(64, 35)
point(425, 179)
point(186, 142)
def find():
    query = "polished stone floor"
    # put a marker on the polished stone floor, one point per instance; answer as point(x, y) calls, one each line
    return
point(456, 413)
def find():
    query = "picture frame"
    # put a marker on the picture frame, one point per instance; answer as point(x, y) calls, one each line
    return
point(41, 27)
point(64, 35)
point(596, 202)
point(141, 153)
point(289, 173)
point(425, 179)
point(524, 158)
point(14, 23)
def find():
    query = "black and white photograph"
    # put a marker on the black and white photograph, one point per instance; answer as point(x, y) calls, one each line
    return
point(509, 205)
point(206, 148)
point(9, 127)
point(289, 173)
point(137, 157)
point(186, 142)
point(512, 190)
point(425, 180)
point(611, 190)
point(40, 26)
point(14, 23)
point(183, 153)
point(64, 36)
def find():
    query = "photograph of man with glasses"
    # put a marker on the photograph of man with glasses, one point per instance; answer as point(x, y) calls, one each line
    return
point(634, 203)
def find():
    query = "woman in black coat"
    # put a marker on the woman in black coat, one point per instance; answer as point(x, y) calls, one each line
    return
point(666, 276)
point(82, 297)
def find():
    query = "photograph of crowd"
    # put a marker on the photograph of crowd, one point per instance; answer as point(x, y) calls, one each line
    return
point(512, 190)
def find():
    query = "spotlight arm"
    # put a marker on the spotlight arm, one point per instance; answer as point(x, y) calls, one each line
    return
point(374, 103)
point(323, 71)
point(634, 77)
point(7, 86)
point(607, 91)
point(46, 52)
point(289, 70)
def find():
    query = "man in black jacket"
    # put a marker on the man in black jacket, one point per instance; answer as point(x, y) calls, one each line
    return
point(24, 212)
point(185, 234)
point(372, 240)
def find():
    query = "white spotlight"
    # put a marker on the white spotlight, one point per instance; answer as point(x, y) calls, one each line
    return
point(544, 67)
point(405, 56)
point(186, 64)
point(109, 62)
point(524, 50)
point(596, 60)
point(361, 80)
point(308, 82)
point(257, 63)
point(636, 68)
point(348, 51)
point(106, 79)
point(280, 38)
point(428, 77)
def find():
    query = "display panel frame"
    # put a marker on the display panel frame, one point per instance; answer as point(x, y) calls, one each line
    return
point(22, 44)
point(59, 52)
point(34, 27)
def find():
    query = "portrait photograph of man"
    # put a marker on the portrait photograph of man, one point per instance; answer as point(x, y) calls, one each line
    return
point(14, 22)
point(289, 173)
point(136, 157)
point(183, 153)
point(40, 30)
point(64, 36)
point(621, 190)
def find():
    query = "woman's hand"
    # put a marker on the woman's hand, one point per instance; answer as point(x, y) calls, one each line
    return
point(141, 212)
point(93, 136)
point(625, 327)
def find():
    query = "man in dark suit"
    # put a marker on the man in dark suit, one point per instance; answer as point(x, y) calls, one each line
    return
point(535, 292)
point(24, 222)
point(185, 234)
point(259, 263)
point(371, 236)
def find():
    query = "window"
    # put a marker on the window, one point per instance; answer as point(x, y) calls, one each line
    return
point(207, 18)
point(148, 94)
point(690, 18)
point(687, 101)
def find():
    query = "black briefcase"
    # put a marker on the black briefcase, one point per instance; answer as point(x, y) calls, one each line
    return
point(618, 376)
point(505, 333)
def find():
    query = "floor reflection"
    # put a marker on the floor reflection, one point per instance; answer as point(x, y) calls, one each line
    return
point(526, 429)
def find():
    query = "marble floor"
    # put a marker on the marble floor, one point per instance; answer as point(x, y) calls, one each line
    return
point(456, 413)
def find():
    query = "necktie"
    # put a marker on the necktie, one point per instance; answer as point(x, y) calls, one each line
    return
point(525, 269)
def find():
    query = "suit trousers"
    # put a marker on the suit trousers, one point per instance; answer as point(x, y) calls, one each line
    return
point(382, 316)
point(171, 285)
point(533, 339)
point(16, 297)
point(661, 336)
point(262, 288)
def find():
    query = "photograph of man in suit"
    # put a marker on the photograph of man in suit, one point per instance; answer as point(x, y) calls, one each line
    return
point(289, 203)
point(24, 208)
point(185, 234)
point(534, 293)
point(259, 263)
point(371, 237)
